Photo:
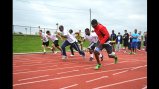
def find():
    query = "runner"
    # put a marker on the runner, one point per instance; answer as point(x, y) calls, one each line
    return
point(45, 41)
point(70, 40)
point(55, 41)
point(93, 39)
point(104, 42)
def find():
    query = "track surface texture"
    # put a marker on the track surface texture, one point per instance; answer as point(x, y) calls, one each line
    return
point(49, 71)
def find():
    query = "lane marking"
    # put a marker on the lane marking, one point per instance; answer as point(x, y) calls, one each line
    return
point(69, 76)
point(109, 64)
point(33, 78)
point(96, 79)
point(67, 72)
point(50, 69)
point(120, 72)
point(120, 83)
point(34, 64)
point(69, 86)
point(138, 67)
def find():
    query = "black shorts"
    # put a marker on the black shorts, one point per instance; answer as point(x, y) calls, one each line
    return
point(107, 46)
point(126, 43)
point(46, 43)
point(56, 43)
point(92, 46)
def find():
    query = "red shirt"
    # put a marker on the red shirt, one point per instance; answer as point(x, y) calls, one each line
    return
point(102, 33)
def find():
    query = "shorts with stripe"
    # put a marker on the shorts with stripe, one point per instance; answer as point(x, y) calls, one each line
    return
point(92, 46)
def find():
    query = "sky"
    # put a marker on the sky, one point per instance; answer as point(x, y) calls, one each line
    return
point(117, 15)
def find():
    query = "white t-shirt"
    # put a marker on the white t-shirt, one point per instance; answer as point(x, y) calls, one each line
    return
point(53, 37)
point(44, 38)
point(74, 36)
point(92, 37)
point(70, 38)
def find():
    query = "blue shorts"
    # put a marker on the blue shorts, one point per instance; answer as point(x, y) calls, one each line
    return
point(134, 45)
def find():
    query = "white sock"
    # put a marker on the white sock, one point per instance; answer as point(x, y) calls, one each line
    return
point(100, 55)
point(91, 55)
point(44, 50)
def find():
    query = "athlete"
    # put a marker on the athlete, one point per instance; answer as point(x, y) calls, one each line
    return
point(45, 41)
point(93, 39)
point(70, 40)
point(104, 42)
point(54, 39)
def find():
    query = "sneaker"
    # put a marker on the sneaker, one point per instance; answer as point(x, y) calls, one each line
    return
point(130, 53)
point(97, 66)
point(44, 52)
point(115, 60)
point(134, 53)
point(101, 58)
point(55, 52)
point(72, 55)
point(64, 57)
point(91, 58)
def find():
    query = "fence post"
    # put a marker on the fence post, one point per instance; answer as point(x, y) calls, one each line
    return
point(30, 30)
point(26, 30)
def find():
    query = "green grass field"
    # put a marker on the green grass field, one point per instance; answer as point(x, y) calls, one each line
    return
point(32, 43)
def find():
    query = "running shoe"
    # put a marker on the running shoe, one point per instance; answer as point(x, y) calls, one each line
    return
point(91, 58)
point(71, 55)
point(97, 66)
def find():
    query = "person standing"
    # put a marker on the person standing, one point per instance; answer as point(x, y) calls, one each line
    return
point(134, 42)
point(118, 42)
point(113, 37)
point(126, 38)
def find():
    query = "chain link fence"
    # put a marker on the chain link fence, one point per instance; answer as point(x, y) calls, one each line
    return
point(29, 30)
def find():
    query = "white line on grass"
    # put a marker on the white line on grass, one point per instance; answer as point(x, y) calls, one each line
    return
point(120, 83)
point(33, 78)
point(96, 79)
point(69, 86)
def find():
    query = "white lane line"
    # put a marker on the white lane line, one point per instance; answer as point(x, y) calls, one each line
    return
point(47, 66)
point(96, 79)
point(70, 76)
point(50, 69)
point(108, 64)
point(67, 72)
point(33, 78)
point(145, 87)
point(69, 86)
point(138, 67)
point(120, 72)
point(34, 64)
point(20, 70)
point(120, 83)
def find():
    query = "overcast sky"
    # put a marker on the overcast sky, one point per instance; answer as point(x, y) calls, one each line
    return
point(74, 14)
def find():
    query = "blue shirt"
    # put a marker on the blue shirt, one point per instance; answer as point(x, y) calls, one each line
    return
point(135, 37)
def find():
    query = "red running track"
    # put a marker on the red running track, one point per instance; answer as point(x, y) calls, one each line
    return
point(39, 71)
